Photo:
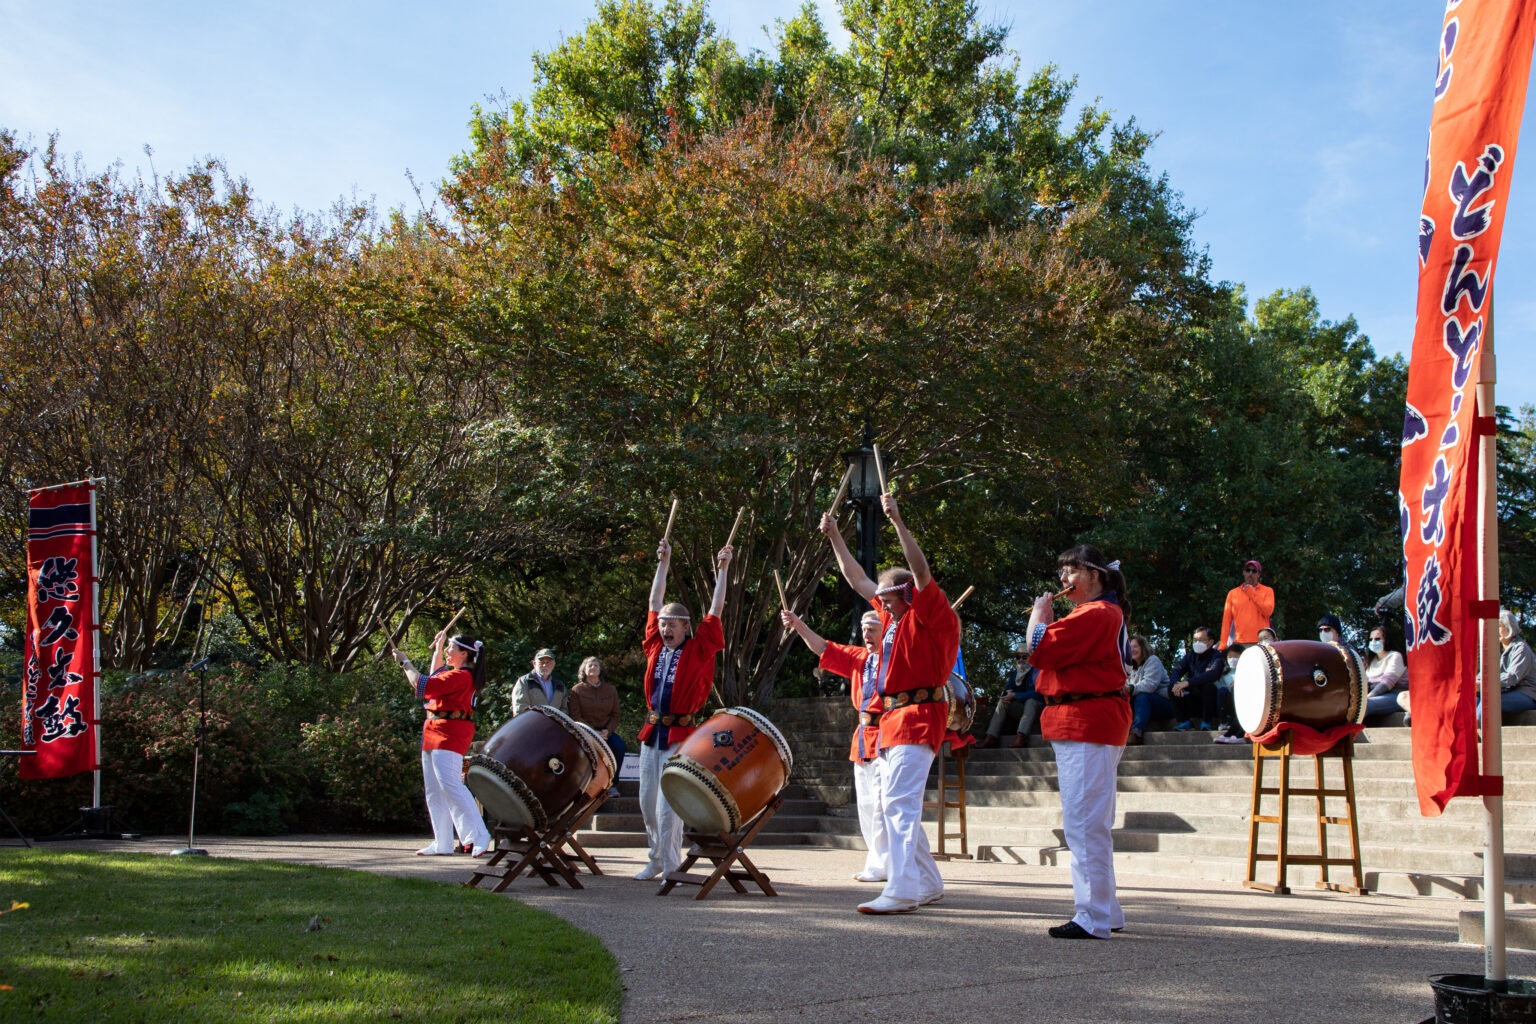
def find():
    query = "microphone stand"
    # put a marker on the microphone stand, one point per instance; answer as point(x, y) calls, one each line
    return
point(201, 668)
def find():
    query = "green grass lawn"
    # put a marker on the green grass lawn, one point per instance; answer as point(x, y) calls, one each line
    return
point(108, 938)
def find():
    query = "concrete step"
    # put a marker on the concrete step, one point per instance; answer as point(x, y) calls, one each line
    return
point(637, 840)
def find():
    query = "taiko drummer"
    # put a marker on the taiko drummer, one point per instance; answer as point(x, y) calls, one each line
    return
point(679, 672)
point(449, 689)
point(860, 665)
point(919, 641)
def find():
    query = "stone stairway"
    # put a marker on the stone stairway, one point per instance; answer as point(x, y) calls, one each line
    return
point(618, 822)
point(1183, 806)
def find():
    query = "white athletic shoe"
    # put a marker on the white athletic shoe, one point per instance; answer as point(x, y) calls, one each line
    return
point(865, 876)
point(647, 873)
point(887, 905)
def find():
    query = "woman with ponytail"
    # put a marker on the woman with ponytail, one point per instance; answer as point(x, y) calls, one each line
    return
point(1084, 660)
point(449, 689)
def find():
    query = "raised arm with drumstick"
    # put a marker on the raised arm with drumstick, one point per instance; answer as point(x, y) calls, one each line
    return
point(449, 690)
point(919, 640)
point(679, 673)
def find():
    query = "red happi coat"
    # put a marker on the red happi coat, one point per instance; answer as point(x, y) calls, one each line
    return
point(1081, 653)
point(448, 689)
point(695, 674)
point(846, 660)
point(922, 655)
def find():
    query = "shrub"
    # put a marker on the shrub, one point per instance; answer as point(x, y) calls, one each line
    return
point(367, 767)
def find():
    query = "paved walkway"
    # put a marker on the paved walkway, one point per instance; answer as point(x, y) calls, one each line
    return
point(1189, 953)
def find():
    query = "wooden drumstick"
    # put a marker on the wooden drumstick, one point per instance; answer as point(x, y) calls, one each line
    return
point(961, 599)
point(452, 621)
point(880, 471)
point(666, 535)
point(739, 514)
point(842, 491)
point(783, 602)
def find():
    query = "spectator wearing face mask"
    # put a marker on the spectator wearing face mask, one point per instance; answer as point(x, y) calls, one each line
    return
point(1194, 683)
point(1386, 675)
point(1330, 630)
point(1233, 733)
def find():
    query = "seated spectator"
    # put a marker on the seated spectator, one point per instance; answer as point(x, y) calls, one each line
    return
point(1517, 668)
point(1268, 636)
point(1148, 689)
point(1194, 683)
point(1330, 630)
point(594, 701)
point(539, 686)
point(1386, 675)
point(1019, 700)
point(1231, 731)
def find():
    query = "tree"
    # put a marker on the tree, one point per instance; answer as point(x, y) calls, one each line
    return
point(1281, 445)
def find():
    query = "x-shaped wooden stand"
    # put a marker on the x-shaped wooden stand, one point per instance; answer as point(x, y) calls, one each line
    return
point(542, 853)
point(722, 849)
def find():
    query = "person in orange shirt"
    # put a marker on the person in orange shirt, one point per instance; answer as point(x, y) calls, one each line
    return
point(920, 639)
point(1084, 660)
point(860, 665)
point(1248, 609)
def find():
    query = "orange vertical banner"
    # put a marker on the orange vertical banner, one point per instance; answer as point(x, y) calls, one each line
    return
point(1479, 96)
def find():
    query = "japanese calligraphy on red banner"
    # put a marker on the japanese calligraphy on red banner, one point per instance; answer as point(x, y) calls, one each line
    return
point(1479, 95)
point(58, 694)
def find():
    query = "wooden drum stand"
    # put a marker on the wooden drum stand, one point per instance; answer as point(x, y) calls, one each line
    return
point(554, 854)
point(1343, 751)
point(722, 849)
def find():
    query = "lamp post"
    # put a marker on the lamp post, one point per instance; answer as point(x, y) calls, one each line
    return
point(864, 494)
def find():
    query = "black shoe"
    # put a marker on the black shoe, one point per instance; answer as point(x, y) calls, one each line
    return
point(1071, 930)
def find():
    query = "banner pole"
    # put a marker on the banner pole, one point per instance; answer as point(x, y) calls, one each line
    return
point(96, 644)
point(1494, 966)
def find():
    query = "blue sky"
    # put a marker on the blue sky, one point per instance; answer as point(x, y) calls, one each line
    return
point(1296, 130)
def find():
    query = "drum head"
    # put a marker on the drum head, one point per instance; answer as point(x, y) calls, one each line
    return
point(506, 798)
point(698, 797)
point(1255, 687)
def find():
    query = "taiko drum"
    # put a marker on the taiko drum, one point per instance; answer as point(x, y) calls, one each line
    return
point(727, 771)
point(1304, 681)
point(536, 766)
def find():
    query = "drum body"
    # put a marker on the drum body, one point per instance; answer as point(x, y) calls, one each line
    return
point(1304, 681)
point(727, 771)
point(962, 704)
point(536, 766)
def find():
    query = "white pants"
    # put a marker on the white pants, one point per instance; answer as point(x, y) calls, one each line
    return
point(663, 828)
point(1087, 775)
point(866, 788)
point(903, 777)
point(449, 802)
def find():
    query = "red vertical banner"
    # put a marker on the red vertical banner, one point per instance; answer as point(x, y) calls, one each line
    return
point(1480, 85)
point(58, 694)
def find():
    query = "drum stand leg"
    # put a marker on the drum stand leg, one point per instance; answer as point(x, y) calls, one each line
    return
point(542, 853)
point(722, 849)
point(1283, 858)
point(944, 804)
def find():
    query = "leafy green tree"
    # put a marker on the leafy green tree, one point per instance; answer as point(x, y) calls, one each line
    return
point(1280, 445)
point(1517, 508)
